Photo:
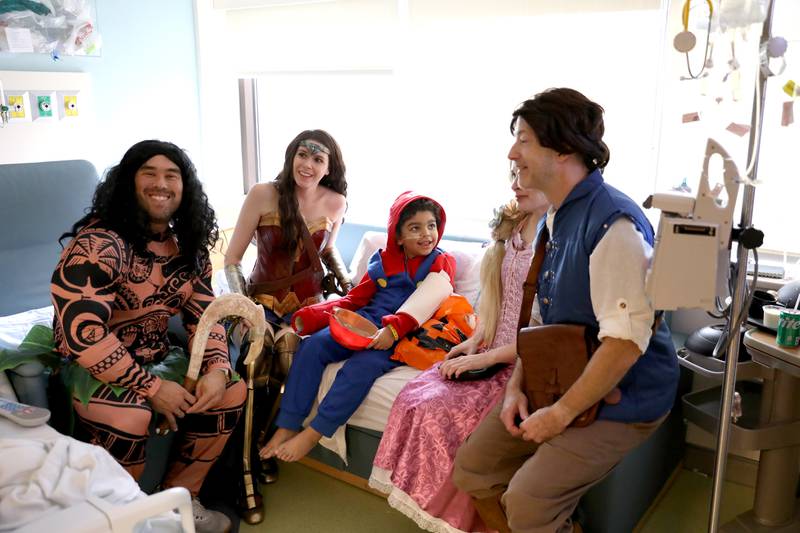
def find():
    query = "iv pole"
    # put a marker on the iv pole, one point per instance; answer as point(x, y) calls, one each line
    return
point(740, 289)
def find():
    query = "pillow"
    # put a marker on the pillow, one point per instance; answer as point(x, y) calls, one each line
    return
point(450, 325)
point(467, 254)
point(370, 241)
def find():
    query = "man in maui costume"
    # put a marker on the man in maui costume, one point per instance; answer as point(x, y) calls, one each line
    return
point(127, 270)
point(284, 279)
point(403, 286)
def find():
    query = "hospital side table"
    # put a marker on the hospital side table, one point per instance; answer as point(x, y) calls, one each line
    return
point(775, 505)
point(769, 386)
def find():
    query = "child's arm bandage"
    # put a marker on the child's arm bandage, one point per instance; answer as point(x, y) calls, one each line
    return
point(428, 296)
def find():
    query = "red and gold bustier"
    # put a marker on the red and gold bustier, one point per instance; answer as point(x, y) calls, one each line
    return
point(275, 263)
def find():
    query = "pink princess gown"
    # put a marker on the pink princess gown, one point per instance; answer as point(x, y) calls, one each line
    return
point(432, 417)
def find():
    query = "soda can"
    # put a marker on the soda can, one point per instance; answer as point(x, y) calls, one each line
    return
point(789, 328)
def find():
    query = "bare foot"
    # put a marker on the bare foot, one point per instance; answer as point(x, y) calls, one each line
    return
point(270, 449)
point(299, 446)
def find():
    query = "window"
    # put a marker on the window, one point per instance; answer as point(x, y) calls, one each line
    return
point(419, 95)
point(777, 197)
point(422, 97)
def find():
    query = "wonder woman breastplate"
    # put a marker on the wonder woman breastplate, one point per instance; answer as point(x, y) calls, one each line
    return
point(276, 263)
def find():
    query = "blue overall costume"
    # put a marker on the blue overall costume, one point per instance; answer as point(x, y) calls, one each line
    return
point(649, 387)
point(362, 368)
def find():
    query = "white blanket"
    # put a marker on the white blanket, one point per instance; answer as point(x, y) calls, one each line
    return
point(39, 476)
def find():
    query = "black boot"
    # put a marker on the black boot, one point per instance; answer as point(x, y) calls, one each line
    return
point(269, 471)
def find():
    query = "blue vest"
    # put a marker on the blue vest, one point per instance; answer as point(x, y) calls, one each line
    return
point(392, 290)
point(649, 387)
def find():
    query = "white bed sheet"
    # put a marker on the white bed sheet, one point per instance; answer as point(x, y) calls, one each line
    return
point(13, 328)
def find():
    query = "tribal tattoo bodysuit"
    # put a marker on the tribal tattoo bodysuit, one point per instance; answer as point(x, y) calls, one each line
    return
point(112, 304)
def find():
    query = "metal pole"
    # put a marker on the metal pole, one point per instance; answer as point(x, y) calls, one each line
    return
point(740, 289)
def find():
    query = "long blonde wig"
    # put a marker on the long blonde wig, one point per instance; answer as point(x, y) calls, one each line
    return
point(506, 219)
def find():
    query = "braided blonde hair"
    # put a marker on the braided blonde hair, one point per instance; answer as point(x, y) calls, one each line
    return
point(506, 219)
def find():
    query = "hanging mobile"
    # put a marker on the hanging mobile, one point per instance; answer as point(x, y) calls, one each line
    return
point(685, 41)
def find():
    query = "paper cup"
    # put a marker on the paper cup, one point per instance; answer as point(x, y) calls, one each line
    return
point(771, 315)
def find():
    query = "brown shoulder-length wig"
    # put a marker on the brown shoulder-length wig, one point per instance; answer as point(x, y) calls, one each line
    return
point(566, 121)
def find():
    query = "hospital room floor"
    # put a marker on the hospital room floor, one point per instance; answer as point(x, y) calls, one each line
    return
point(306, 500)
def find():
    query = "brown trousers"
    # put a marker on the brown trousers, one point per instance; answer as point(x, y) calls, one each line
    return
point(120, 425)
point(542, 483)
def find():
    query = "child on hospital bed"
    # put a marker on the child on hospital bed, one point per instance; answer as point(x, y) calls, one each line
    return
point(403, 286)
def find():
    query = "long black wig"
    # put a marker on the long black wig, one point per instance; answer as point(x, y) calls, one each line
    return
point(115, 206)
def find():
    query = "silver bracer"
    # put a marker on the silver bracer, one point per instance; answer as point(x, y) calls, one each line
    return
point(236, 283)
point(333, 261)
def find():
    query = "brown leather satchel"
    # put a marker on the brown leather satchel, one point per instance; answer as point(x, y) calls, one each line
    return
point(552, 356)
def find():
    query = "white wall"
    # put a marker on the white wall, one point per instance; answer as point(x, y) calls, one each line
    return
point(144, 83)
point(58, 137)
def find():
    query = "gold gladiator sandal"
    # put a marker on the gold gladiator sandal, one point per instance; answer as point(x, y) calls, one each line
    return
point(286, 343)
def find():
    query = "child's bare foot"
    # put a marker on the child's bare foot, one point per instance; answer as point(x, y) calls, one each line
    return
point(298, 447)
point(270, 449)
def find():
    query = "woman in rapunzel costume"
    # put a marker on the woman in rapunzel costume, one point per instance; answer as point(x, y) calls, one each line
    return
point(434, 414)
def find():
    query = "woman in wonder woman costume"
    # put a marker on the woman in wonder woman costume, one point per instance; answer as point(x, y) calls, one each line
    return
point(294, 221)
